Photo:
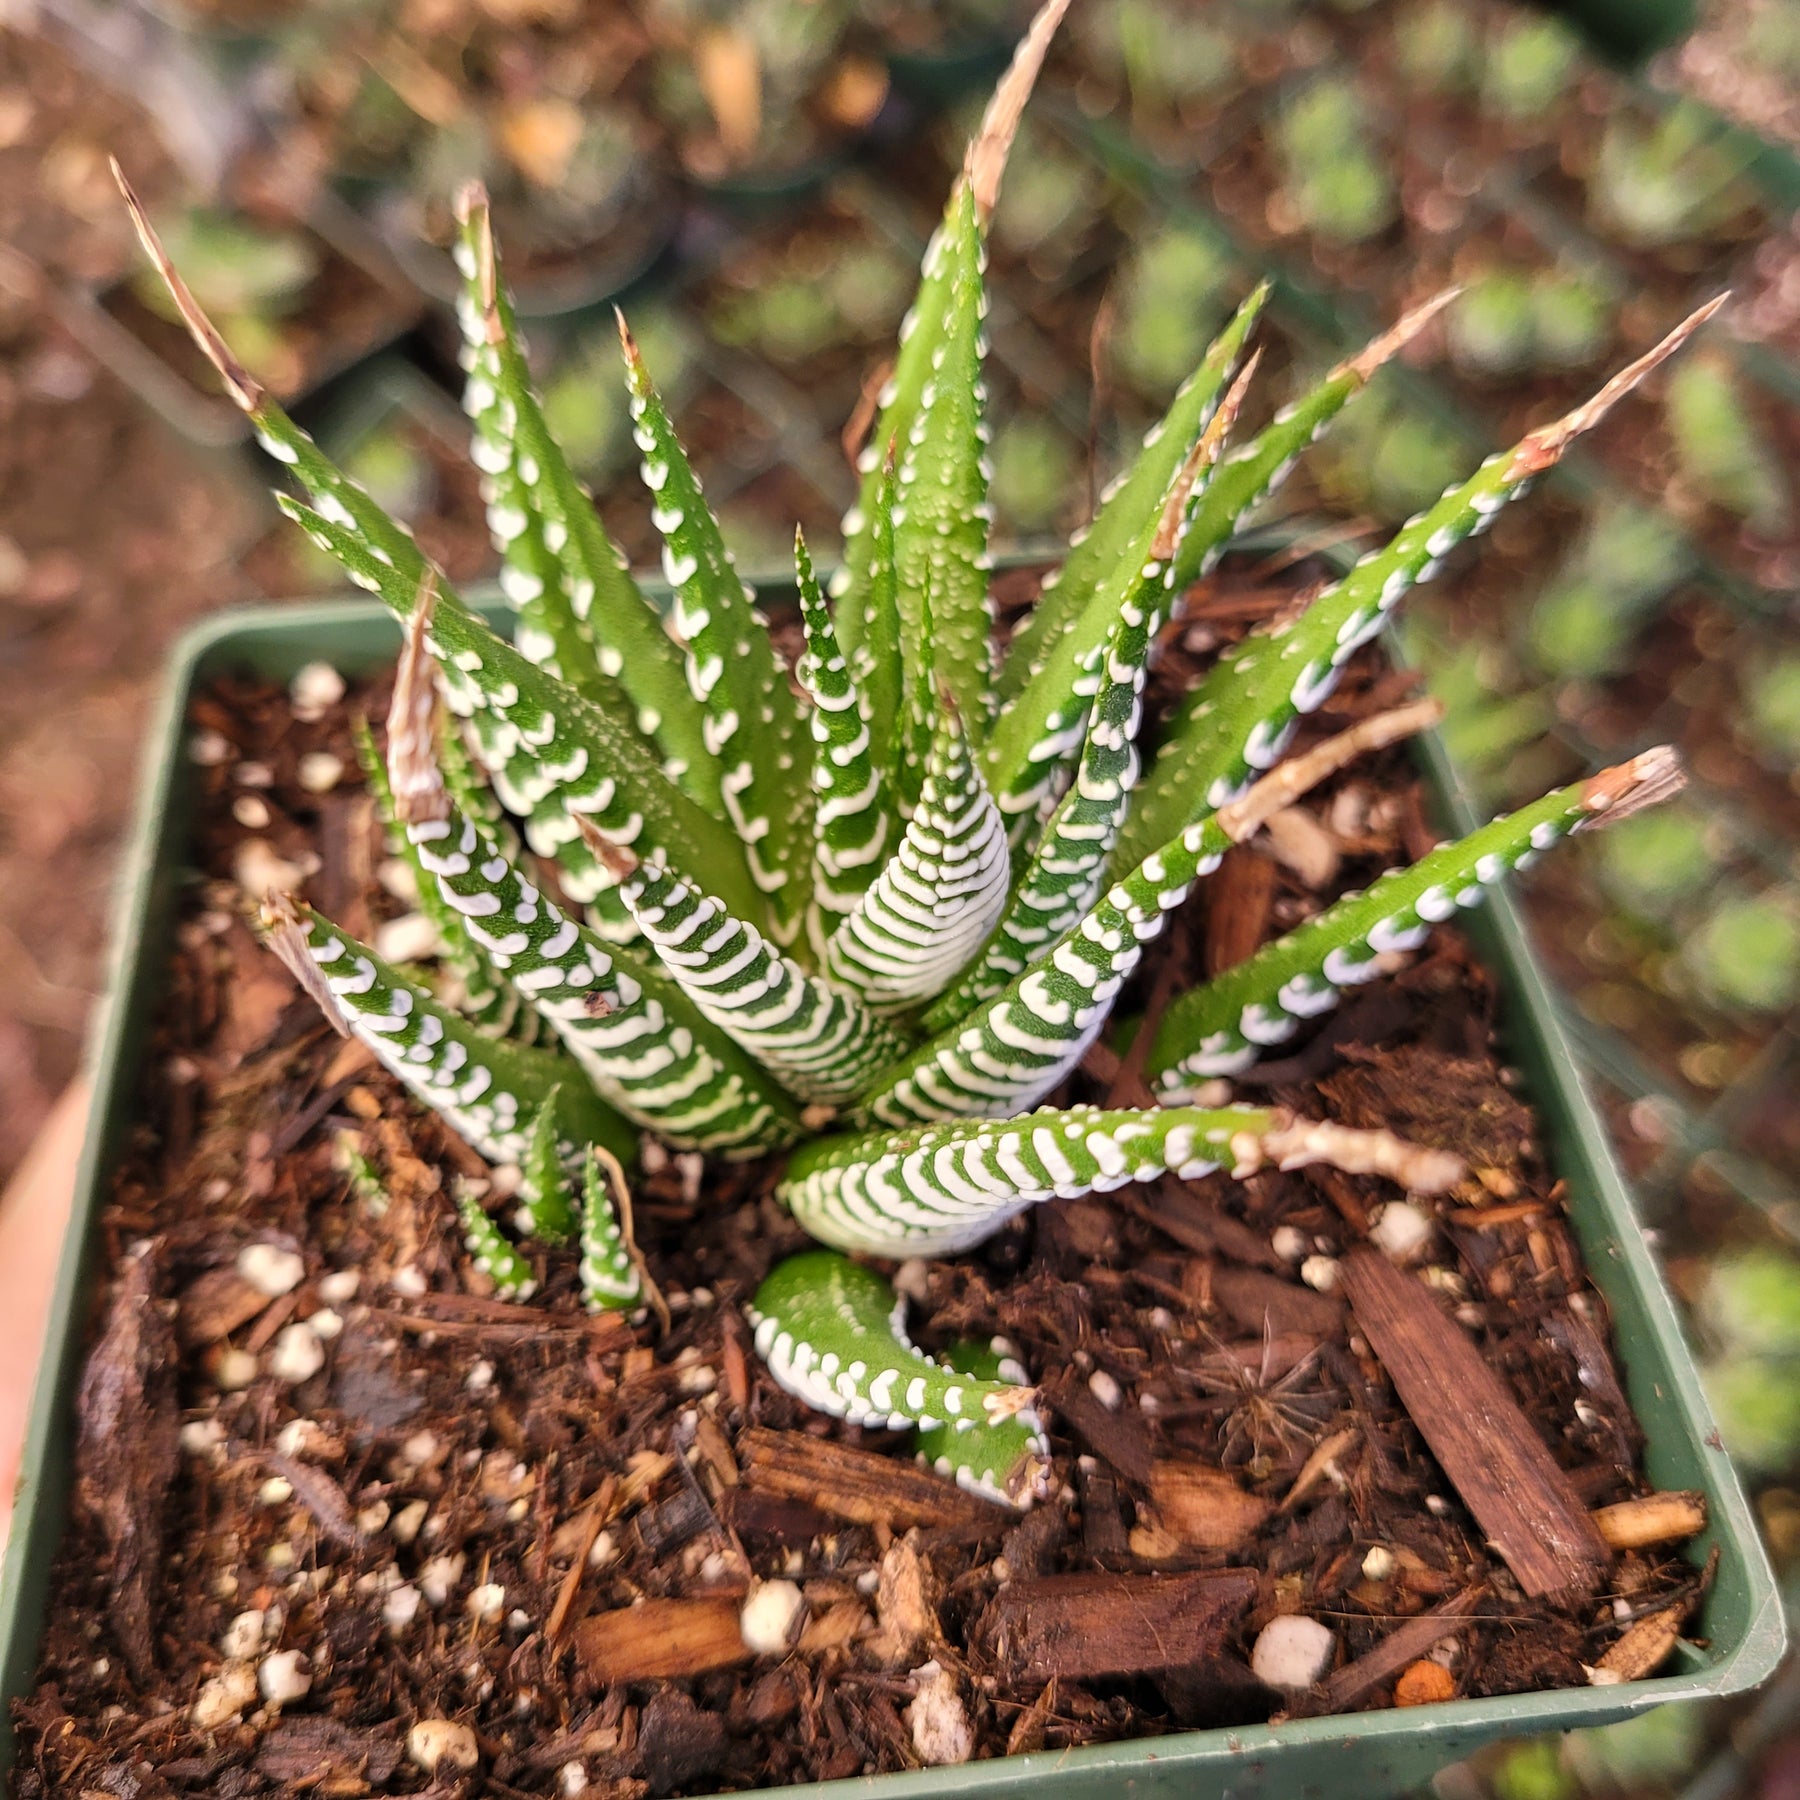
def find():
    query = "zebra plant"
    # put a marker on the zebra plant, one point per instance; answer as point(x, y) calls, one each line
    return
point(868, 913)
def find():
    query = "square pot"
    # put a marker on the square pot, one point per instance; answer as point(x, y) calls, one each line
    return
point(1367, 1754)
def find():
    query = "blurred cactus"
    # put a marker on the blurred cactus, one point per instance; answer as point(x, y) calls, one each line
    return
point(1527, 65)
point(1333, 172)
point(1772, 696)
point(1663, 181)
point(1746, 956)
point(1584, 623)
point(1178, 287)
point(1720, 451)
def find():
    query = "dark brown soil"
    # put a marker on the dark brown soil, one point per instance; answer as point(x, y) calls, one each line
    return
point(1208, 1410)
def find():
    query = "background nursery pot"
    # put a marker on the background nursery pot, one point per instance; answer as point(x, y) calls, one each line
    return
point(1373, 1753)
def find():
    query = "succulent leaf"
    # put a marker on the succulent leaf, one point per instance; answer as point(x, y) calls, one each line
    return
point(581, 615)
point(820, 1041)
point(609, 1278)
point(832, 1335)
point(1238, 720)
point(489, 1091)
point(1097, 550)
point(1221, 1028)
point(1001, 1461)
point(545, 1184)
point(853, 818)
point(939, 1189)
point(493, 1254)
point(752, 721)
point(941, 892)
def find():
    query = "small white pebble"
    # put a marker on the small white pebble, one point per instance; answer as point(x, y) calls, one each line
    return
point(913, 1279)
point(314, 690)
point(209, 749)
point(435, 1743)
point(439, 1577)
point(941, 1732)
point(702, 1378)
point(1437, 1506)
point(251, 811)
point(298, 1355)
point(1446, 1281)
point(771, 1617)
point(397, 877)
point(1161, 1319)
point(201, 1437)
point(224, 1697)
point(371, 1518)
point(326, 1323)
point(270, 1269)
point(243, 1637)
point(320, 771)
point(421, 1448)
point(233, 1369)
point(303, 1437)
point(410, 938)
point(1292, 1652)
point(284, 1677)
point(572, 1778)
point(279, 1557)
point(255, 775)
point(868, 1582)
point(1379, 1563)
point(1320, 1272)
point(1104, 1389)
point(1148, 1403)
point(260, 872)
point(408, 1520)
point(480, 1378)
point(702, 1298)
point(485, 1603)
point(276, 1491)
point(408, 1281)
point(518, 1622)
point(1401, 1230)
point(506, 1180)
point(340, 1286)
point(1288, 1242)
point(605, 1548)
point(401, 1607)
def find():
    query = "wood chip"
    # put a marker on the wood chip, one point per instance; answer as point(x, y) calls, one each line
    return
point(661, 1639)
point(857, 1484)
point(1079, 1627)
point(1406, 1643)
point(1652, 1519)
point(1120, 1438)
point(1261, 1302)
point(1524, 1502)
point(1205, 1508)
point(1239, 897)
point(1643, 1649)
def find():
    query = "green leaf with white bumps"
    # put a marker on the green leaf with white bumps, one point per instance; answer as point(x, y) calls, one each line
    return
point(545, 1179)
point(1223, 1027)
point(492, 1253)
point(1003, 1460)
point(752, 724)
point(581, 614)
point(1238, 721)
point(935, 1190)
point(1098, 548)
point(941, 893)
point(854, 819)
point(490, 1091)
point(609, 1278)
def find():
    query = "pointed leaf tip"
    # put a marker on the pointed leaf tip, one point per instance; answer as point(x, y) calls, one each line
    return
point(1383, 349)
point(1206, 451)
point(989, 148)
point(245, 391)
point(1648, 779)
point(1543, 448)
point(278, 919)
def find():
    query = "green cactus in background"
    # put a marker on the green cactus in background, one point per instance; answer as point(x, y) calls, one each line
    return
point(1527, 65)
point(1333, 168)
point(1718, 446)
point(1667, 179)
point(1628, 558)
point(1772, 693)
point(871, 912)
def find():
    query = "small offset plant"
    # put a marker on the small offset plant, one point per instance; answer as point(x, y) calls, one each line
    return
point(867, 914)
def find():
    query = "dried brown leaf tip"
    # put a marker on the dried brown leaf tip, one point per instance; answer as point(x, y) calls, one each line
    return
point(1301, 1141)
point(1203, 456)
point(284, 931)
point(1385, 348)
point(1648, 779)
point(611, 855)
point(992, 144)
point(244, 389)
point(1544, 448)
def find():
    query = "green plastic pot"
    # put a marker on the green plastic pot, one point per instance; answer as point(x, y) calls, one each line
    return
point(1367, 1754)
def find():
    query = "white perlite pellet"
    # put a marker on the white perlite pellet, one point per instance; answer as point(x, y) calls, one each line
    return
point(435, 1743)
point(941, 1731)
point(270, 1269)
point(298, 1354)
point(1292, 1652)
point(401, 1607)
point(314, 690)
point(1401, 1230)
point(284, 1677)
point(243, 1637)
point(771, 1617)
point(224, 1697)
